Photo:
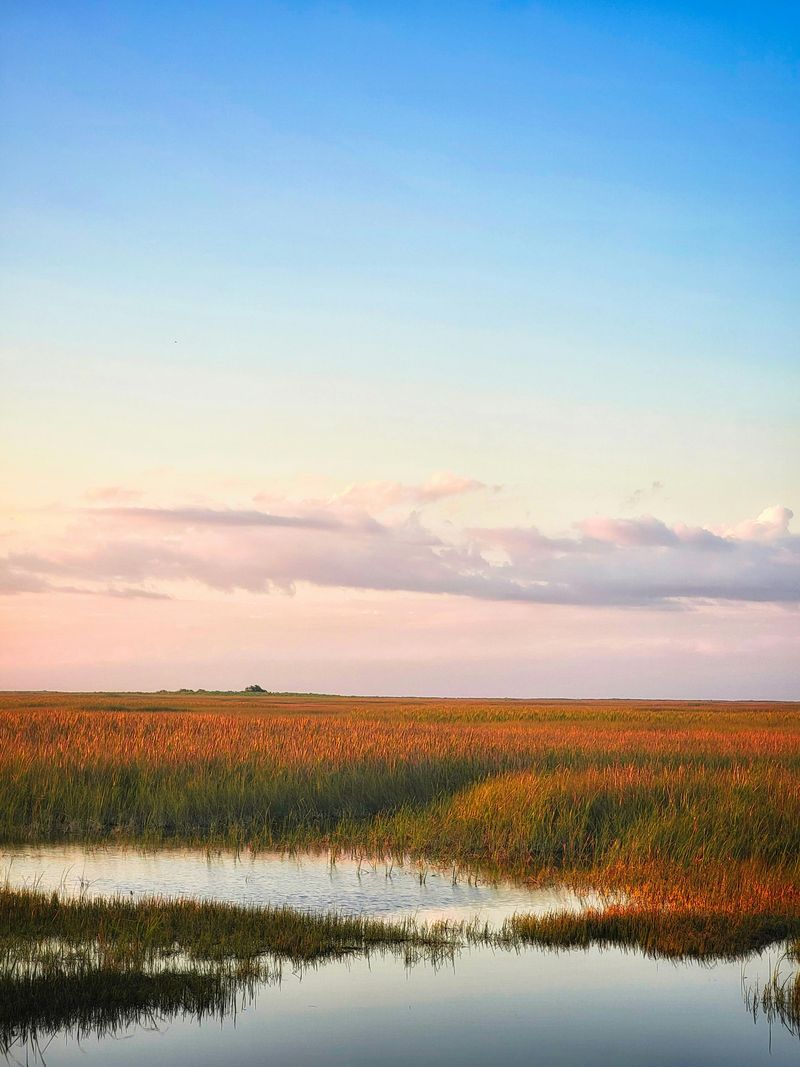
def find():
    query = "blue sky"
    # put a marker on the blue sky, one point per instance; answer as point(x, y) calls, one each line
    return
point(282, 248)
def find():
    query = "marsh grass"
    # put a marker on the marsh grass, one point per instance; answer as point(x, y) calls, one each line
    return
point(133, 931)
point(701, 934)
point(83, 966)
point(130, 934)
point(99, 966)
point(778, 1000)
point(632, 796)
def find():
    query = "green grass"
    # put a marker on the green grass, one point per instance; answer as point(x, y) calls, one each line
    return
point(699, 935)
point(134, 933)
point(521, 788)
point(99, 966)
point(142, 930)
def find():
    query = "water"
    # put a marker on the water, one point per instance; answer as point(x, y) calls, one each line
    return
point(589, 1008)
point(309, 882)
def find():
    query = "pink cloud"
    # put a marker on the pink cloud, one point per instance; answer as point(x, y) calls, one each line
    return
point(643, 531)
point(623, 562)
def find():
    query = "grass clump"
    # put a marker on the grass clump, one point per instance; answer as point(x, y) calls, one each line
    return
point(140, 930)
point(99, 966)
point(700, 934)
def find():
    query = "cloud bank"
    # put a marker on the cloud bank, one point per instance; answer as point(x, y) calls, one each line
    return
point(603, 561)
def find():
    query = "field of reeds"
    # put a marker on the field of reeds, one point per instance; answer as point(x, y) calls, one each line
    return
point(678, 804)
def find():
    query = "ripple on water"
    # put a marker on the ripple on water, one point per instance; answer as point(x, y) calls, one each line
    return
point(308, 881)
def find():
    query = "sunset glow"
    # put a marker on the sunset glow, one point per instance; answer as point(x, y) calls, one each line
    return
point(368, 349)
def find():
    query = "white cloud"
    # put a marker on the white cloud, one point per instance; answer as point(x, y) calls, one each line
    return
point(771, 524)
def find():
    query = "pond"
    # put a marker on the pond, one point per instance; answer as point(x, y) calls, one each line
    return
point(307, 881)
point(484, 1005)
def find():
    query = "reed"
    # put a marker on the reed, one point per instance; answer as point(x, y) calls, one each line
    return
point(778, 1000)
point(40, 932)
point(624, 795)
point(703, 933)
point(92, 966)
point(131, 933)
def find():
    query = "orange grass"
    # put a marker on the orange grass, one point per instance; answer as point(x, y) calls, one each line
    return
point(651, 797)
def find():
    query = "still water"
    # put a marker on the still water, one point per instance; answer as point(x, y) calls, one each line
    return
point(484, 1006)
point(306, 881)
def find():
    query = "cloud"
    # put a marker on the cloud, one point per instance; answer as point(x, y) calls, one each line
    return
point(771, 524)
point(604, 561)
point(15, 579)
point(129, 592)
point(22, 574)
point(377, 496)
point(196, 516)
point(645, 531)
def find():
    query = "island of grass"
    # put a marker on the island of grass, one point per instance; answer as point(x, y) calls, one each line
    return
point(96, 966)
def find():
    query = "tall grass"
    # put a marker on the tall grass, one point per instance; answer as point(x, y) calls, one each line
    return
point(621, 793)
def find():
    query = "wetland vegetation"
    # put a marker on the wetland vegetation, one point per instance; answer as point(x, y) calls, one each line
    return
point(97, 966)
point(674, 804)
point(682, 820)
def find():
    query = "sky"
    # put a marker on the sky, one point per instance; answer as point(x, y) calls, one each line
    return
point(443, 349)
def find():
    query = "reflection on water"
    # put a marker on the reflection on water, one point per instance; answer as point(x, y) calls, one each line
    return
point(569, 1008)
point(307, 881)
point(83, 1004)
point(476, 1006)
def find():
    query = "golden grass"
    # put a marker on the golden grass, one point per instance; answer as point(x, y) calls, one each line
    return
point(702, 800)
